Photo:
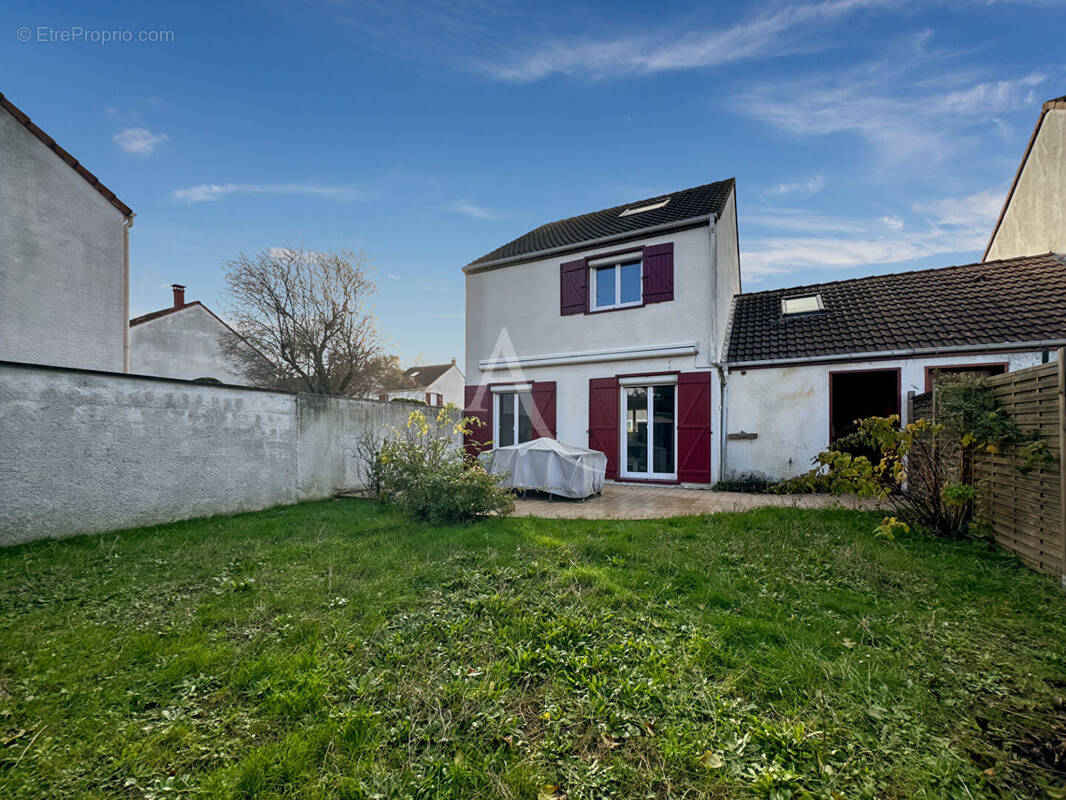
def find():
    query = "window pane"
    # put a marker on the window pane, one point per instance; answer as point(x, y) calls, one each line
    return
point(506, 437)
point(525, 417)
point(605, 286)
point(637, 429)
point(630, 282)
point(663, 433)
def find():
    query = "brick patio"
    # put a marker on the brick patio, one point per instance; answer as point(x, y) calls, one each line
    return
point(650, 502)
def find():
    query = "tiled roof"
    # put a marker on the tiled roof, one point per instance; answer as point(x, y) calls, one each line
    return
point(171, 310)
point(51, 144)
point(995, 302)
point(425, 375)
point(686, 204)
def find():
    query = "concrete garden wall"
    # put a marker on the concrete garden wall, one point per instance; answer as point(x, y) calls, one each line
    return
point(83, 452)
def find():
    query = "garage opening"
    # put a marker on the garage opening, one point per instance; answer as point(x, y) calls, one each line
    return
point(859, 394)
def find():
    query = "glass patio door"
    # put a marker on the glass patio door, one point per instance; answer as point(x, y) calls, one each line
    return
point(649, 431)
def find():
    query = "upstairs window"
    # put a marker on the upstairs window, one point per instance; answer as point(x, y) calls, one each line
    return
point(616, 285)
point(641, 209)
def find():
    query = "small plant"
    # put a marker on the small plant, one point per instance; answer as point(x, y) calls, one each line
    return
point(424, 473)
point(889, 527)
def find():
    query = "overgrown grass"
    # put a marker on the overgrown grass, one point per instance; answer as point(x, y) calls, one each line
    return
point(337, 650)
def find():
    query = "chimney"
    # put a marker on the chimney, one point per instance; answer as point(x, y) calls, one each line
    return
point(453, 361)
point(179, 295)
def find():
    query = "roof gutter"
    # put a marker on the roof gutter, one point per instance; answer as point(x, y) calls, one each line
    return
point(1038, 344)
point(691, 222)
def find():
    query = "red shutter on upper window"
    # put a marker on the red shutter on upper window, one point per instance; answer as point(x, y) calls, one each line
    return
point(478, 404)
point(694, 427)
point(544, 409)
point(659, 273)
point(573, 287)
point(603, 420)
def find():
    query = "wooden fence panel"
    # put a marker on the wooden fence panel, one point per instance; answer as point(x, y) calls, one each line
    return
point(1024, 511)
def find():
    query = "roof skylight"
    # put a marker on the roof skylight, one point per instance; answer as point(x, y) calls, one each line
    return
point(642, 209)
point(802, 305)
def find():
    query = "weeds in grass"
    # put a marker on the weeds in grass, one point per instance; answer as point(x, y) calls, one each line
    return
point(335, 650)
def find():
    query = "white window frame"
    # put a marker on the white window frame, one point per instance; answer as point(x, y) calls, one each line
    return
point(647, 383)
point(817, 298)
point(616, 263)
point(497, 400)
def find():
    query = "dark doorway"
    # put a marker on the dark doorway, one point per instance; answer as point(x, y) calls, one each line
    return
point(856, 395)
point(972, 370)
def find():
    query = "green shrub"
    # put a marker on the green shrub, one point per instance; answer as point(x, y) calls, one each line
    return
point(422, 472)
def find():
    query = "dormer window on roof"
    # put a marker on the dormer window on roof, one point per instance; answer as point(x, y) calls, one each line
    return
point(802, 305)
point(642, 209)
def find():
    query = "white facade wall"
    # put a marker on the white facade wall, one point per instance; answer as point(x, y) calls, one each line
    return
point(1035, 219)
point(183, 344)
point(452, 385)
point(85, 452)
point(788, 407)
point(63, 282)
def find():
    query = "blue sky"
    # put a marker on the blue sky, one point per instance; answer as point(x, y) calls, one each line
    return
point(865, 136)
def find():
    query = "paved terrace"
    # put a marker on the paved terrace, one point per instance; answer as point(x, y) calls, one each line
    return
point(651, 502)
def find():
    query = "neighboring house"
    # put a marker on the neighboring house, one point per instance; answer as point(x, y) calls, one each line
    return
point(1033, 219)
point(181, 342)
point(64, 255)
point(434, 384)
point(603, 330)
point(804, 363)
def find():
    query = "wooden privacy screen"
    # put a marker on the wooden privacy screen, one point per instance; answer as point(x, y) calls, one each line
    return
point(1025, 511)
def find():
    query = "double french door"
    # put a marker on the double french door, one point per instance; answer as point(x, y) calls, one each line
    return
point(649, 430)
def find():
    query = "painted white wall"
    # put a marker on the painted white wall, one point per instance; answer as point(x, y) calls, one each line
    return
point(451, 384)
point(183, 344)
point(726, 271)
point(788, 407)
point(62, 272)
point(515, 309)
point(1035, 219)
point(86, 452)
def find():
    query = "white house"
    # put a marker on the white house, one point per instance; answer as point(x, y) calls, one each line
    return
point(181, 341)
point(64, 254)
point(803, 363)
point(433, 384)
point(604, 330)
point(1033, 219)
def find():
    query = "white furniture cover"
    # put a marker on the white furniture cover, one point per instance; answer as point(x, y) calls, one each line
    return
point(549, 466)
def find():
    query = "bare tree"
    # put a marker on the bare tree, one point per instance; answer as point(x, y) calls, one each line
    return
point(301, 322)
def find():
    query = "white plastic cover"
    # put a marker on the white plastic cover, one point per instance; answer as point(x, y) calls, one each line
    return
point(549, 466)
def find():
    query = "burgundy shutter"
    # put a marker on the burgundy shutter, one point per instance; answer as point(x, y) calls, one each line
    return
point(659, 273)
point(603, 420)
point(478, 403)
point(694, 427)
point(573, 287)
point(544, 409)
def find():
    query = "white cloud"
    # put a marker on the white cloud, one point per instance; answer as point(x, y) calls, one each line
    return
point(806, 188)
point(948, 226)
point(209, 192)
point(908, 106)
point(476, 212)
point(775, 33)
point(392, 276)
point(139, 141)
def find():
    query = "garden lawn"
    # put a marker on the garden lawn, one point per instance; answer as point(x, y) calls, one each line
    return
point(339, 650)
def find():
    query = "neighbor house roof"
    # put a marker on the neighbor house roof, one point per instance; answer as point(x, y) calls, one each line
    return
point(51, 144)
point(687, 205)
point(1055, 104)
point(1018, 300)
point(172, 310)
point(425, 375)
